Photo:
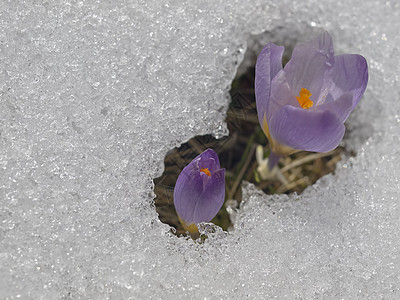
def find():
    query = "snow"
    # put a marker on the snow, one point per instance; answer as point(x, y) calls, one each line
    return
point(93, 95)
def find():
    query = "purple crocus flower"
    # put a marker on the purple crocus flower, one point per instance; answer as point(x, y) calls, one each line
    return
point(200, 190)
point(303, 106)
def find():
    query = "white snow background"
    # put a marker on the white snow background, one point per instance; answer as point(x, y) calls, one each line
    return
point(93, 94)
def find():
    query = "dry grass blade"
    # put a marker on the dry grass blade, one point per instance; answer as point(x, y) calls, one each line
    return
point(306, 159)
point(242, 172)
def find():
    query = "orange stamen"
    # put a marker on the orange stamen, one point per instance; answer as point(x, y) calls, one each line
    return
point(304, 99)
point(205, 171)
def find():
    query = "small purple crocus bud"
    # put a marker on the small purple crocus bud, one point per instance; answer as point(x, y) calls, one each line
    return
point(303, 106)
point(200, 190)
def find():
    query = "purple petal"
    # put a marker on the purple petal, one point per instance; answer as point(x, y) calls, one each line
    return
point(212, 198)
point(197, 196)
point(187, 191)
point(207, 154)
point(208, 159)
point(350, 74)
point(269, 63)
point(319, 131)
point(311, 67)
point(281, 95)
point(341, 107)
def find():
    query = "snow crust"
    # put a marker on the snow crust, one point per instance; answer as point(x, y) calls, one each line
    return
point(93, 94)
